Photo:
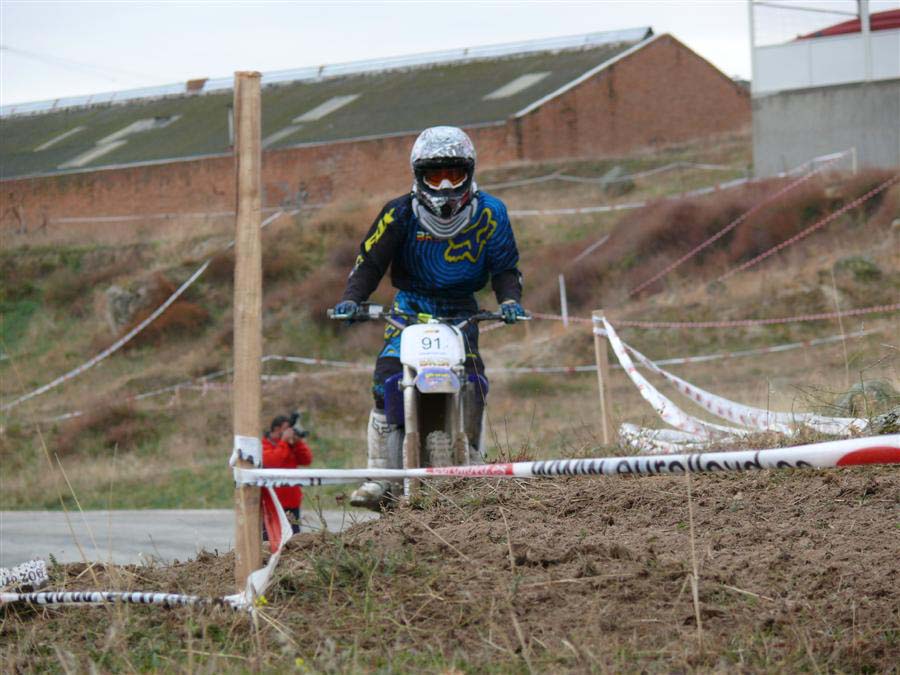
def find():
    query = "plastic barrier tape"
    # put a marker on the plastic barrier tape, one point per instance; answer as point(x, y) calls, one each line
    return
point(31, 573)
point(671, 413)
point(277, 524)
point(748, 416)
point(846, 452)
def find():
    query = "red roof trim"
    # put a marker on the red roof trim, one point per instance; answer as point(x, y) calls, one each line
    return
point(887, 20)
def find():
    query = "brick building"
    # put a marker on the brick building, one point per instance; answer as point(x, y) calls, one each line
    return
point(168, 150)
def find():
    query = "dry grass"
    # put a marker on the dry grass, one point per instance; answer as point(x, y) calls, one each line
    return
point(106, 426)
point(547, 415)
point(182, 319)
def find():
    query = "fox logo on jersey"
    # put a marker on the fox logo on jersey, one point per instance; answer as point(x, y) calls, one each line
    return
point(470, 243)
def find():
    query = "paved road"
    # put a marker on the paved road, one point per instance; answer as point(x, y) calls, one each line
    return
point(126, 537)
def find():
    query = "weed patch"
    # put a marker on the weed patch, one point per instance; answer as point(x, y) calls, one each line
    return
point(104, 427)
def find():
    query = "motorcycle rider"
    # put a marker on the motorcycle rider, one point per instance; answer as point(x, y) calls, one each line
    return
point(442, 241)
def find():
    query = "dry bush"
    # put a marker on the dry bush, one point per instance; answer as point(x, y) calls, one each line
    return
point(71, 289)
point(322, 289)
point(221, 267)
point(647, 240)
point(181, 319)
point(279, 263)
point(106, 425)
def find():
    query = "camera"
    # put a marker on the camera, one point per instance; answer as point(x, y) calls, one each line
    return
point(296, 425)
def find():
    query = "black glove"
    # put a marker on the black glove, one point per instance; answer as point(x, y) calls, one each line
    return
point(512, 311)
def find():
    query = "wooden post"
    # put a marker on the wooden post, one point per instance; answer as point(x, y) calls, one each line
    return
point(603, 380)
point(247, 391)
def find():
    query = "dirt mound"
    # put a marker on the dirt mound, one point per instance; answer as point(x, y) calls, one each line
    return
point(797, 570)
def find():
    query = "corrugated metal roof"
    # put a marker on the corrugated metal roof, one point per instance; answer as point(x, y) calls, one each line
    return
point(374, 102)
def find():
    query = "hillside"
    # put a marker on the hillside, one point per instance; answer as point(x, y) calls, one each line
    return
point(169, 450)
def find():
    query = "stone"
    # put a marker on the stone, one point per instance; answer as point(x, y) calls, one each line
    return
point(616, 182)
point(122, 305)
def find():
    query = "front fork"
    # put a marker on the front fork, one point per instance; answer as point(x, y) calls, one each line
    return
point(411, 441)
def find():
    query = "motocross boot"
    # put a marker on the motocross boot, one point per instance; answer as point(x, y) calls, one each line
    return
point(384, 448)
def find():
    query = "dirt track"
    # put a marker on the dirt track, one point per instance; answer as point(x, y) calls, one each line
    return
point(797, 570)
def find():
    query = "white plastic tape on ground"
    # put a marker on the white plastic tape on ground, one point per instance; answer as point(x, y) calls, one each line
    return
point(748, 416)
point(659, 441)
point(847, 452)
point(257, 582)
point(110, 597)
point(670, 413)
point(30, 573)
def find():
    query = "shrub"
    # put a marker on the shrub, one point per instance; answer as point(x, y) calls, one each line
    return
point(105, 426)
point(646, 240)
point(182, 319)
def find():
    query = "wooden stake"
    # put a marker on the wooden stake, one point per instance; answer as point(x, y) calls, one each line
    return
point(603, 380)
point(247, 391)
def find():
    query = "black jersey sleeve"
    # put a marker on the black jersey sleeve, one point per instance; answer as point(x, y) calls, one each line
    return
point(507, 285)
point(375, 255)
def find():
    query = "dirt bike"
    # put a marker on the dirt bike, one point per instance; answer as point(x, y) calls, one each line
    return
point(437, 408)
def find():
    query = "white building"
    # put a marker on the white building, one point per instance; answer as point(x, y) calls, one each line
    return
point(826, 90)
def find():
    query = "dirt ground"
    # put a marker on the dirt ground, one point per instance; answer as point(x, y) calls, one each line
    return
point(797, 571)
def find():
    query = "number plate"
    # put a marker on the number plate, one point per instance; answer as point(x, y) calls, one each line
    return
point(431, 344)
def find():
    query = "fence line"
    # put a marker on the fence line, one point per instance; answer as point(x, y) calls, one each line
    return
point(736, 323)
point(717, 187)
point(812, 228)
point(202, 383)
point(702, 358)
point(558, 175)
point(728, 228)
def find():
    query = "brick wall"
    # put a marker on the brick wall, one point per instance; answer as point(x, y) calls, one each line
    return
point(314, 174)
point(663, 93)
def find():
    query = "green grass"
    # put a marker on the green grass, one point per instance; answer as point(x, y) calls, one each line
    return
point(14, 319)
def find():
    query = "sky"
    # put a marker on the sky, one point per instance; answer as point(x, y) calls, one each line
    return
point(56, 49)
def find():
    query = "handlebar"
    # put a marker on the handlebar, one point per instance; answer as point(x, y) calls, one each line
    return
point(370, 312)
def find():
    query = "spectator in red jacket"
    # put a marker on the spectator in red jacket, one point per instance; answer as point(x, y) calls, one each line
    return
point(284, 448)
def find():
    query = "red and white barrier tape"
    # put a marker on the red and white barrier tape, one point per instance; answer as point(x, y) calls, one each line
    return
point(665, 408)
point(847, 452)
point(702, 358)
point(121, 342)
point(728, 228)
point(748, 416)
point(590, 249)
point(812, 228)
point(741, 323)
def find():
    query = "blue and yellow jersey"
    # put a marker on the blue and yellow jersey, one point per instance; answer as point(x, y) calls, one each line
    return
point(451, 269)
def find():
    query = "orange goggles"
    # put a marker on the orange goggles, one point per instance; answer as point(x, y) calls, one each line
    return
point(454, 175)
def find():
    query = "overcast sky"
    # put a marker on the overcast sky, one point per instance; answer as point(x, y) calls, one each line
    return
point(54, 49)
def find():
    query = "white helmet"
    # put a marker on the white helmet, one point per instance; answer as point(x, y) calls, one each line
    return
point(443, 162)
